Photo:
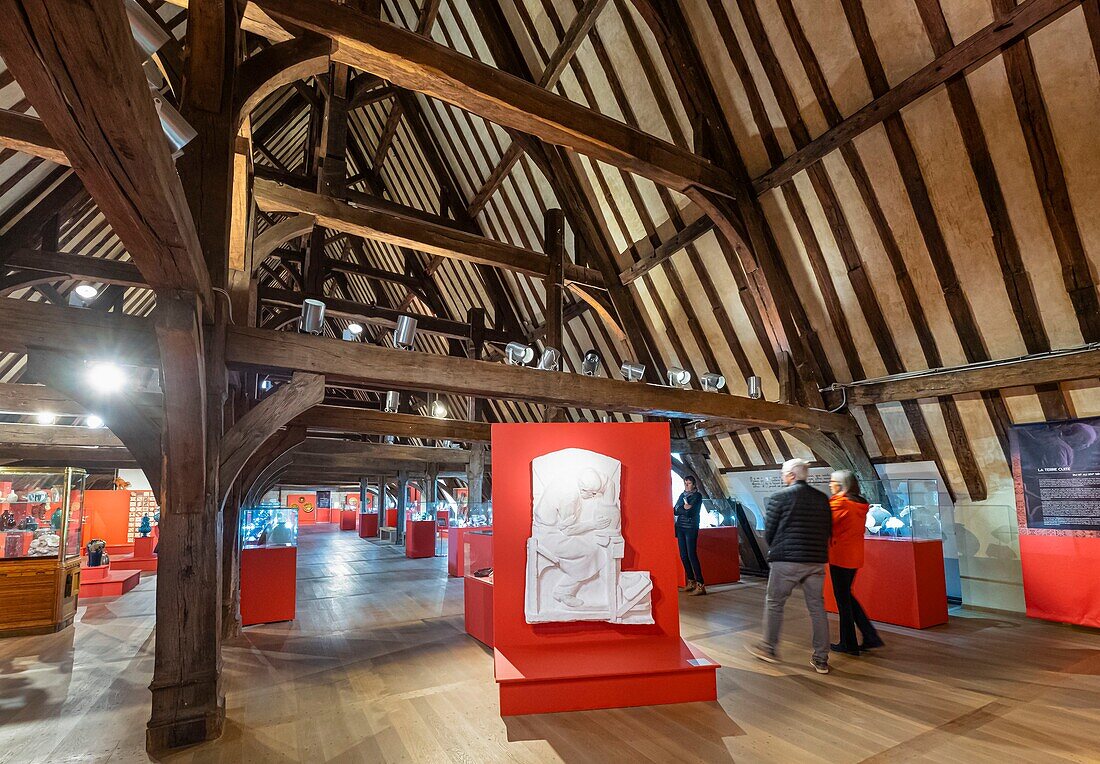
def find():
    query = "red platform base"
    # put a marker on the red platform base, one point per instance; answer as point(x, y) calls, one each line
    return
point(111, 583)
point(268, 579)
point(603, 675)
point(142, 557)
point(1062, 578)
point(347, 520)
point(419, 538)
point(478, 602)
point(368, 525)
point(902, 582)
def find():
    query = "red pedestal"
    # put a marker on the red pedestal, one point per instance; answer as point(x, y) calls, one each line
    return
point(901, 582)
point(368, 525)
point(455, 544)
point(719, 556)
point(420, 538)
point(101, 581)
point(142, 557)
point(1062, 578)
point(391, 518)
point(98, 573)
point(478, 602)
point(550, 667)
point(268, 580)
point(347, 520)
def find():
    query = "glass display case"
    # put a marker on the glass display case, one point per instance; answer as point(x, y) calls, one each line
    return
point(41, 520)
point(477, 554)
point(718, 513)
point(907, 509)
point(477, 515)
point(265, 527)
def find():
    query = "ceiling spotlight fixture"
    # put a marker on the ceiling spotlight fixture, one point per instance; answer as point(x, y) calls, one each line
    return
point(313, 317)
point(148, 34)
point(93, 421)
point(439, 409)
point(678, 377)
point(632, 372)
point(405, 332)
point(756, 387)
point(82, 296)
point(393, 402)
point(549, 360)
point(355, 328)
point(517, 354)
point(177, 129)
point(390, 439)
point(45, 417)
point(265, 384)
point(591, 363)
point(351, 334)
point(712, 382)
point(105, 377)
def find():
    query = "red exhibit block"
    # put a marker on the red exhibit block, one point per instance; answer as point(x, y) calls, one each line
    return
point(101, 581)
point(1062, 578)
point(391, 518)
point(455, 544)
point(98, 573)
point(901, 582)
point(478, 604)
point(719, 556)
point(347, 520)
point(141, 558)
point(268, 579)
point(368, 525)
point(420, 538)
point(550, 667)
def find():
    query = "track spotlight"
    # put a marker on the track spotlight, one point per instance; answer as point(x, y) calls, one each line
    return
point(549, 360)
point(517, 354)
point(756, 387)
point(105, 377)
point(147, 33)
point(265, 385)
point(178, 131)
point(393, 402)
point(82, 296)
point(405, 332)
point(439, 409)
point(712, 382)
point(313, 317)
point(45, 417)
point(678, 377)
point(632, 372)
point(352, 333)
point(591, 363)
point(93, 421)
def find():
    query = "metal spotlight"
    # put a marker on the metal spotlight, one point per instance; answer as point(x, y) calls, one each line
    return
point(147, 33)
point(177, 129)
point(405, 332)
point(632, 372)
point(313, 317)
point(351, 334)
point(756, 387)
point(517, 354)
point(439, 409)
point(549, 360)
point(105, 377)
point(93, 421)
point(591, 363)
point(82, 296)
point(265, 384)
point(712, 382)
point(45, 417)
point(393, 402)
point(678, 377)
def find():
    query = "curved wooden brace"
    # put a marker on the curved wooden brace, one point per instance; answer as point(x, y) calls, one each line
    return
point(278, 235)
point(281, 320)
point(24, 279)
point(244, 438)
point(275, 447)
point(279, 65)
point(600, 309)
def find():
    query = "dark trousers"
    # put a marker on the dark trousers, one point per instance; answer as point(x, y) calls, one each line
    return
point(850, 611)
point(687, 539)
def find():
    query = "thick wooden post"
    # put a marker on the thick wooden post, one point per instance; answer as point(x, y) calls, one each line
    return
point(383, 499)
point(402, 502)
point(554, 227)
point(475, 473)
point(364, 491)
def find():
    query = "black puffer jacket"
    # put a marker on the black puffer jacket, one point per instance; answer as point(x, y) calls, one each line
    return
point(798, 525)
point(687, 510)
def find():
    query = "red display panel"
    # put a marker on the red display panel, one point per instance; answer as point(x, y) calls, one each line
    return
point(1062, 578)
point(306, 504)
point(559, 666)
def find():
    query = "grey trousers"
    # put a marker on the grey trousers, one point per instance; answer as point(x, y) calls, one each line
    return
point(782, 580)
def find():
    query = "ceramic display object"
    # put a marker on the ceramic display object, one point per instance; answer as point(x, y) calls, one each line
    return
point(574, 555)
point(146, 527)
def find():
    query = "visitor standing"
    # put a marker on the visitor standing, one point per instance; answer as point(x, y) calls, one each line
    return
point(797, 530)
point(845, 559)
point(687, 511)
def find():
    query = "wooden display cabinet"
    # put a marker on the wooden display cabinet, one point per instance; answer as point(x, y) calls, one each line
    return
point(41, 518)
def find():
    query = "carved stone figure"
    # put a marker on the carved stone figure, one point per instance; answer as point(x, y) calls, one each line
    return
point(574, 555)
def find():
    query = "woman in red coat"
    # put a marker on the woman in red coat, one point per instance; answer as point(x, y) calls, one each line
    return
point(845, 559)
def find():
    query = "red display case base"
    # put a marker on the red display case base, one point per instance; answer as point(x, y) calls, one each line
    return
point(347, 520)
point(901, 582)
point(368, 525)
point(455, 544)
point(603, 675)
point(268, 580)
point(478, 603)
point(419, 538)
point(719, 556)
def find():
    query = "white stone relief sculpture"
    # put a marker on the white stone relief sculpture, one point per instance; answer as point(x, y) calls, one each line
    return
point(574, 555)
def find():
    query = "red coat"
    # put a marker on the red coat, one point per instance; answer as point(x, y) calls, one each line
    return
point(849, 525)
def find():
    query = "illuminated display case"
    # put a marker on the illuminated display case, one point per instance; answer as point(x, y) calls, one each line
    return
point(269, 561)
point(267, 527)
point(909, 509)
point(41, 519)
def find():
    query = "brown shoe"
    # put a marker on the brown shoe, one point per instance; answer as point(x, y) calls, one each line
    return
point(698, 590)
point(690, 587)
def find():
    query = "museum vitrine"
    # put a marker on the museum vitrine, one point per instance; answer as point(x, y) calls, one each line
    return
point(41, 518)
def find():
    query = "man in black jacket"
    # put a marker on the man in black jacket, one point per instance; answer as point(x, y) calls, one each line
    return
point(797, 530)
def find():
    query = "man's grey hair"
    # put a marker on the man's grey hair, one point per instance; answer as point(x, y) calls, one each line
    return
point(796, 468)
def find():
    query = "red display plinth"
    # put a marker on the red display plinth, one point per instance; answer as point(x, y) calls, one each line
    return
point(101, 581)
point(549, 667)
point(368, 525)
point(141, 558)
point(455, 539)
point(419, 538)
point(391, 518)
point(347, 520)
point(901, 582)
point(719, 556)
point(98, 573)
point(478, 603)
point(268, 580)
point(1062, 578)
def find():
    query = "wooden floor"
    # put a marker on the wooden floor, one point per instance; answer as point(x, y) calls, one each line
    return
point(376, 668)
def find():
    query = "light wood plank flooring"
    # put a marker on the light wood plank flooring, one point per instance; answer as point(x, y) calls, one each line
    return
point(377, 669)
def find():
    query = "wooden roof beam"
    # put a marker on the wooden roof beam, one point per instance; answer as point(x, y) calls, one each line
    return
point(372, 422)
point(68, 265)
point(415, 63)
point(1028, 17)
point(27, 134)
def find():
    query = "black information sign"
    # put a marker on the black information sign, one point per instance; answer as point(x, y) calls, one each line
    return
point(1060, 470)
